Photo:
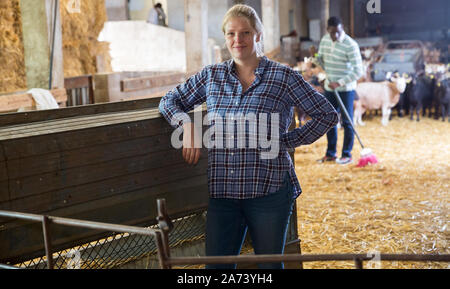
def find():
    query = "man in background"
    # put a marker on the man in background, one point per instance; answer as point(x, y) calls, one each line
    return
point(157, 16)
point(340, 57)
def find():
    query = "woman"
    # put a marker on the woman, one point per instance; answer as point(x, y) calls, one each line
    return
point(249, 190)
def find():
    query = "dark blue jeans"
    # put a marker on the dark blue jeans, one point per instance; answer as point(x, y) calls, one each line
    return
point(349, 137)
point(266, 219)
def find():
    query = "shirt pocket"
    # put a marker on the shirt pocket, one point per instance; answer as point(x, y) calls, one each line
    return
point(265, 101)
point(219, 101)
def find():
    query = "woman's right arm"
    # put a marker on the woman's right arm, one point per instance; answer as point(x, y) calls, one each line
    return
point(175, 105)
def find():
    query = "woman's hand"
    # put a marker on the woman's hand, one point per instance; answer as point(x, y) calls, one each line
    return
point(191, 144)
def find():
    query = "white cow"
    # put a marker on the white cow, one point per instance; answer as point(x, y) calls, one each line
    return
point(378, 95)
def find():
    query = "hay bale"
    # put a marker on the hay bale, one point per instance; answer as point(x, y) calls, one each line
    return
point(80, 46)
point(80, 32)
point(12, 70)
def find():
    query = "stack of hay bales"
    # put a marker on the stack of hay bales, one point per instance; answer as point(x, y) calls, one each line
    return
point(12, 68)
point(81, 49)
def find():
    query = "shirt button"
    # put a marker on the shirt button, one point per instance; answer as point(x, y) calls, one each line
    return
point(232, 172)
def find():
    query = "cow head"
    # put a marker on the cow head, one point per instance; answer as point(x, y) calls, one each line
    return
point(399, 80)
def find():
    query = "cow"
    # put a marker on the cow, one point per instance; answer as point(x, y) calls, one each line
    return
point(420, 94)
point(402, 106)
point(442, 93)
point(378, 95)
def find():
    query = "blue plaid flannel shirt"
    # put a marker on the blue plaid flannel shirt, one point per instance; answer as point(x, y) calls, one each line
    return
point(241, 173)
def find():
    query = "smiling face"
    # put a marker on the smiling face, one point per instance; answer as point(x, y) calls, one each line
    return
point(241, 38)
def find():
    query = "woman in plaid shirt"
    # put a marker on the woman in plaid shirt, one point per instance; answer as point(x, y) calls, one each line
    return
point(251, 177)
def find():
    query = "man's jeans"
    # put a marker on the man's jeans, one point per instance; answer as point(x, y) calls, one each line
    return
point(266, 219)
point(349, 137)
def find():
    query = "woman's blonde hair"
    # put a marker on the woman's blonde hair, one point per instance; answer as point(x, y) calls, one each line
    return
point(241, 10)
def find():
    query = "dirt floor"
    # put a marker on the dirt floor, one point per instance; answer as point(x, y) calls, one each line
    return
point(400, 205)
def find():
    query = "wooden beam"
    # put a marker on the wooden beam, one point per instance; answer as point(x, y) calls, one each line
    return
point(93, 173)
point(324, 15)
point(352, 18)
point(78, 82)
point(13, 102)
point(53, 114)
point(135, 84)
point(54, 143)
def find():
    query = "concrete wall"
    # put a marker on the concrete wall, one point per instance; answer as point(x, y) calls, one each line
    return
point(140, 46)
point(216, 11)
point(117, 10)
point(285, 6)
point(175, 12)
point(288, 9)
point(139, 9)
point(338, 8)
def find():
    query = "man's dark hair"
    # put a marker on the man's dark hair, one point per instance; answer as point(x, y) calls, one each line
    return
point(334, 21)
point(158, 5)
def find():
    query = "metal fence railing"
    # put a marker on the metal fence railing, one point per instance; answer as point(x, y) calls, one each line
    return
point(51, 256)
point(160, 239)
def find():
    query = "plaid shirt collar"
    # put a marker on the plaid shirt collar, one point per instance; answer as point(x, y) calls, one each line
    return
point(259, 70)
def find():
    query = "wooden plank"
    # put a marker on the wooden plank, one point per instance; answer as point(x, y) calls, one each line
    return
point(3, 171)
point(45, 144)
point(135, 84)
point(45, 115)
point(59, 161)
point(16, 101)
point(45, 182)
point(4, 193)
point(78, 82)
point(52, 201)
point(136, 208)
point(77, 123)
point(157, 95)
point(2, 154)
point(74, 123)
point(4, 188)
point(60, 95)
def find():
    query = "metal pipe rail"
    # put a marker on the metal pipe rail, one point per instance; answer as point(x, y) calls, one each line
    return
point(167, 262)
point(357, 258)
point(47, 221)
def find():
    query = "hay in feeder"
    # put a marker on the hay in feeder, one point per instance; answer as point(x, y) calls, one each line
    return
point(12, 68)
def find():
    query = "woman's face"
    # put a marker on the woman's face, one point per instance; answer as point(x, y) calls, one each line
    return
point(241, 38)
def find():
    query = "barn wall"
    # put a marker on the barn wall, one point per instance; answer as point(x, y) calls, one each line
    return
point(404, 19)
